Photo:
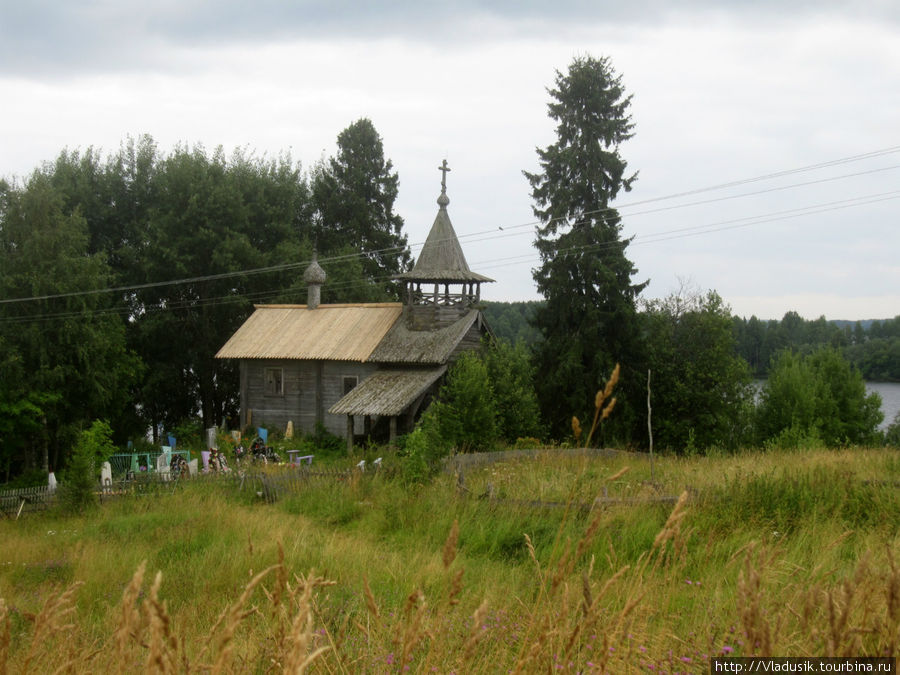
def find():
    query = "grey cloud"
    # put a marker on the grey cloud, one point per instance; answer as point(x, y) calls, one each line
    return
point(46, 38)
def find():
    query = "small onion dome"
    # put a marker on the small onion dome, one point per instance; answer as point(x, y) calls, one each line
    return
point(314, 274)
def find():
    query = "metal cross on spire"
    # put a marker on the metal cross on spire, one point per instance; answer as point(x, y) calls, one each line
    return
point(443, 168)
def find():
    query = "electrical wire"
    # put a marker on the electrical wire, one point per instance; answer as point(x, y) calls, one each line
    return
point(486, 235)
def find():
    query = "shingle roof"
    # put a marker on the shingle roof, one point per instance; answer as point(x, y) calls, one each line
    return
point(442, 258)
point(329, 332)
point(402, 345)
point(387, 392)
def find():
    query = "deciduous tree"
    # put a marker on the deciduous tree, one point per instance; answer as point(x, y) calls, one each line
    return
point(819, 397)
point(700, 387)
point(67, 358)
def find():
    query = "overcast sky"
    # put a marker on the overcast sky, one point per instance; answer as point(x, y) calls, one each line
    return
point(723, 93)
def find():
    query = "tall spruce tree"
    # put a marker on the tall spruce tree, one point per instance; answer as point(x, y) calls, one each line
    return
point(354, 194)
point(589, 321)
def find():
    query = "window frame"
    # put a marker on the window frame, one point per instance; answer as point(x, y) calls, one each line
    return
point(345, 379)
point(278, 382)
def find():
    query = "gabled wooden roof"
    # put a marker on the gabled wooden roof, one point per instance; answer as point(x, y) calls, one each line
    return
point(329, 332)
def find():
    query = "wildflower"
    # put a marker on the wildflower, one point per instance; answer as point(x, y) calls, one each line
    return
point(727, 650)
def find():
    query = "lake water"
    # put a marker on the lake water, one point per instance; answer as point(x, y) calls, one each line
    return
point(890, 399)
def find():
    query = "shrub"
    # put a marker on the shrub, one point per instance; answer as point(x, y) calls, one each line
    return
point(892, 433)
point(421, 458)
point(93, 446)
point(465, 415)
point(512, 382)
point(820, 396)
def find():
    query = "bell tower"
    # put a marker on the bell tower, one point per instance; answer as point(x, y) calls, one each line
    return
point(440, 288)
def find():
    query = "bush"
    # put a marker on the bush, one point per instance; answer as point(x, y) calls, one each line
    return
point(328, 443)
point(28, 478)
point(421, 457)
point(511, 377)
point(465, 415)
point(892, 433)
point(80, 479)
point(817, 396)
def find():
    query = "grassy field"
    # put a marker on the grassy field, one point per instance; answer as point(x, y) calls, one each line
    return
point(520, 571)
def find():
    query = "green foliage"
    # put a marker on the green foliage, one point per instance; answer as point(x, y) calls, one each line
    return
point(326, 442)
point(465, 415)
point(65, 355)
point(892, 433)
point(700, 389)
point(354, 194)
point(511, 377)
point(29, 478)
point(80, 479)
point(589, 320)
point(189, 435)
point(513, 321)
point(422, 451)
point(872, 346)
point(820, 396)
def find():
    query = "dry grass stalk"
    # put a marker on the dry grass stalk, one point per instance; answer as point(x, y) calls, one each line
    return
point(671, 528)
point(300, 636)
point(757, 629)
point(587, 599)
point(231, 618)
point(842, 639)
point(456, 587)
point(411, 632)
point(450, 545)
point(892, 598)
point(49, 623)
point(618, 474)
point(477, 631)
point(576, 428)
point(599, 400)
point(298, 650)
point(531, 554)
point(163, 656)
point(129, 627)
point(5, 637)
point(370, 598)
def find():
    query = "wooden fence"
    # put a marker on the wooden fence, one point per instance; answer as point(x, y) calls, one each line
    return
point(14, 503)
point(270, 486)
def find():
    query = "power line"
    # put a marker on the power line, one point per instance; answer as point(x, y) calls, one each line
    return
point(481, 235)
point(679, 233)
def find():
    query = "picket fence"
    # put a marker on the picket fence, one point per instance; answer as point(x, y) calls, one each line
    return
point(25, 500)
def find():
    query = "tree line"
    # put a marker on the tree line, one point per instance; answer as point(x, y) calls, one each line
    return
point(872, 346)
point(121, 275)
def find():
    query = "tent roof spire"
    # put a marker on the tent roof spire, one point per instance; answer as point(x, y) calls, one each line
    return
point(442, 258)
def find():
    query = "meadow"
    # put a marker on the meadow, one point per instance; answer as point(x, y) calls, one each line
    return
point(563, 561)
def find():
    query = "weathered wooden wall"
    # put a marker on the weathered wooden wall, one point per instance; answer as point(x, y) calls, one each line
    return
point(299, 401)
